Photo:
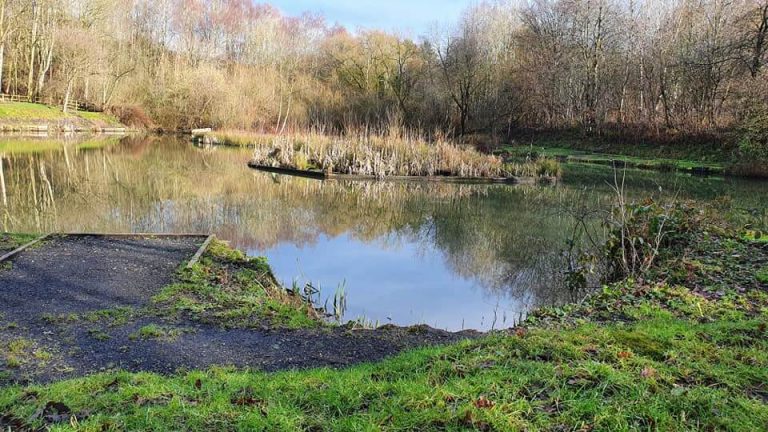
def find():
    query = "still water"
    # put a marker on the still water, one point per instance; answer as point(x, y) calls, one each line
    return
point(451, 256)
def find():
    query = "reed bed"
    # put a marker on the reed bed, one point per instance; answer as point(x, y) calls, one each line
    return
point(382, 156)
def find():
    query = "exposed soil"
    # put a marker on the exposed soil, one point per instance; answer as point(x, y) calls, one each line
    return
point(47, 293)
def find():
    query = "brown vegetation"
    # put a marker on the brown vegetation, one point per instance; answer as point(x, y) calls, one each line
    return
point(660, 67)
point(381, 156)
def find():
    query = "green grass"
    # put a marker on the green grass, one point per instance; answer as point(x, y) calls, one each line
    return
point(30, 112)
point(582, 156)
point(762, 275)
point(154, 331)
point(687, 355)
point(10, 241)
point(659, 372)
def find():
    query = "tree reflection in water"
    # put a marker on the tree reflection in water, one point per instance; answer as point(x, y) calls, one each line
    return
point(507, 241)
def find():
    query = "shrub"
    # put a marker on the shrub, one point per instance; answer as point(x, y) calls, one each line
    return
point(642, 232)
point(546, 167)
point(131, 115)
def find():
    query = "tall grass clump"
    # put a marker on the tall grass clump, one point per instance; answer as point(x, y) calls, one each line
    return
point(384, 155)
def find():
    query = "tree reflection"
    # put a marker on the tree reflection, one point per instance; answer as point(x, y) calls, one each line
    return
point(508, 239)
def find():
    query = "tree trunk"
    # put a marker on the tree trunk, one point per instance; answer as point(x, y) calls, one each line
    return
point(66, 95)
point(32, 50)
point(2, 62)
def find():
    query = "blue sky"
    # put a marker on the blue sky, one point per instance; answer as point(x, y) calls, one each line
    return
point(413, 17)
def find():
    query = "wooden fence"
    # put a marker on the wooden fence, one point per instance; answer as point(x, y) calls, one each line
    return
point(72, 105)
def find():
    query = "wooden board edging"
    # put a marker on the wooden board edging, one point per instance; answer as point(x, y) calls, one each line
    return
point(22, 248)
point(196, 257)
point(161, 235)
point(319, 175)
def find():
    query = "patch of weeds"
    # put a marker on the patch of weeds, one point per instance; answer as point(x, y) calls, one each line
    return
point(56, 319)
point(43, 355)
point(115, 317)
point(21, 351)
point(19, 346)
point(11, 241)
point(99, 334)
point(154, 331)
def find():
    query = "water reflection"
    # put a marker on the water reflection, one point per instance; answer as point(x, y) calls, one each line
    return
point(452, 256)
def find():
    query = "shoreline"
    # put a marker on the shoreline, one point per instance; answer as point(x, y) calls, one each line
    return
point(688, 336)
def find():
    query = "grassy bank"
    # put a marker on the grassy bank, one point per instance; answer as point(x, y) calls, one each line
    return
point(706, 155)
point(21, 115)
point(16, 145)
point(684, 347)
point(618, 160)
point(381, 156)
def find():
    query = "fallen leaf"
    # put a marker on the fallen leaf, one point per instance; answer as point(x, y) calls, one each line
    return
point(648, 372)
point(624, 354)
point(484, 403)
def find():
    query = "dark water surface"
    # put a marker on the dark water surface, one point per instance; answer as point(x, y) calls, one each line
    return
point(451, 256)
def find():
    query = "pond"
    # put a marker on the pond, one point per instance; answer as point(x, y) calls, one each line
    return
point(448, 255)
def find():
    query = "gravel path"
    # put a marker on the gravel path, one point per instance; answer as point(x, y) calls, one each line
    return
point(46, 290)
point(76, 274)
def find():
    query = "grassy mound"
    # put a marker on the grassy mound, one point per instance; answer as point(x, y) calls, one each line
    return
point(230, 289)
